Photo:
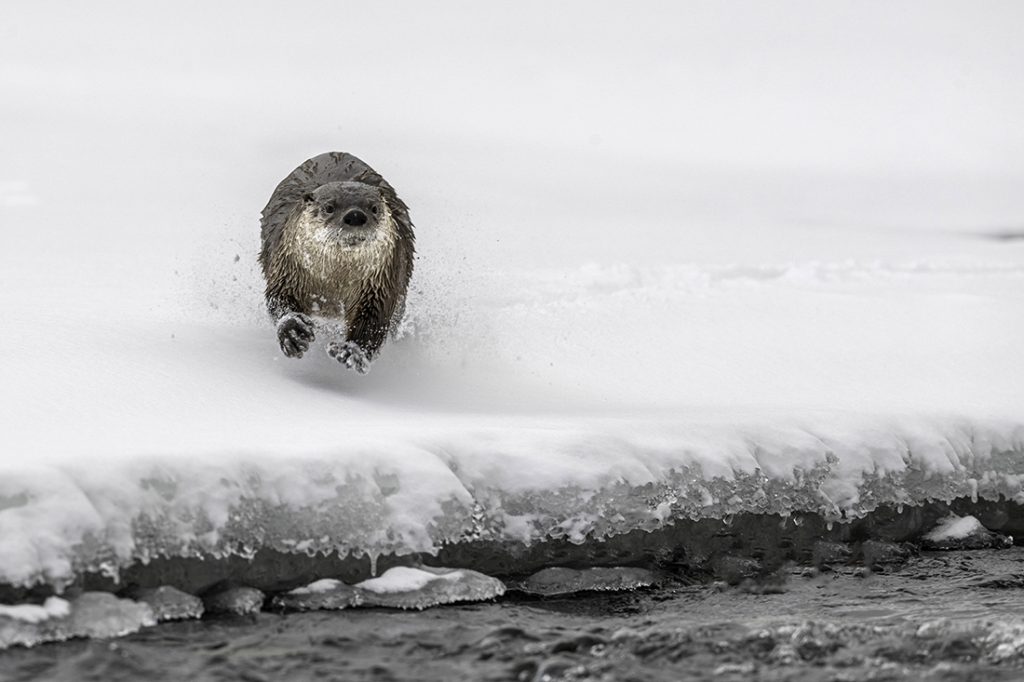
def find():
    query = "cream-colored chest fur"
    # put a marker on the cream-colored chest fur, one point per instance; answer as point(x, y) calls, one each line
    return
point(334, 275)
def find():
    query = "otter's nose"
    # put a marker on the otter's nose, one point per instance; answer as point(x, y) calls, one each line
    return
point(355, 218)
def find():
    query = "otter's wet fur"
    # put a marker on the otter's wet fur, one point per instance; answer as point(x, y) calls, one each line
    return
point(337, 243)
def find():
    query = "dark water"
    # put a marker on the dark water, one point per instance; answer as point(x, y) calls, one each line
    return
point(941, 616)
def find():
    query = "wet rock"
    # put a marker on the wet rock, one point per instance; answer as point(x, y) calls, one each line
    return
point(327, 594)
point(555, 581)
point(169, 603)
point(878, 554)
point(733, 570)
point(826, 554)
point(403, 587)
point(234, 601)
point(963, 532)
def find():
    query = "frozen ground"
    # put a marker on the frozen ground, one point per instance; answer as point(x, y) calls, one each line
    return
point(667, 269)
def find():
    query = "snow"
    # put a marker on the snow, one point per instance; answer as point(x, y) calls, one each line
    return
point(53, 607)
point(404, 579)
point(318, 586)
point(634, 302)
point(404, 587)
point(954, 527)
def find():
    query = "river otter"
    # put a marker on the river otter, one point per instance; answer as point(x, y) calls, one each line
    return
point(338, 243)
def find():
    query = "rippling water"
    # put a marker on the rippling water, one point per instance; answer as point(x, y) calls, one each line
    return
point(944, 616)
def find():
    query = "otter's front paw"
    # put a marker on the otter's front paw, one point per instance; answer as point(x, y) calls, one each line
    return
point(349, 354)
point(295, 333)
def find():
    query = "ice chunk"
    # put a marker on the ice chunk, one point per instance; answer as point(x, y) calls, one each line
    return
point(53, 607)
point(963, 532)
point(29, 624)
point(101, 614)
point(93, 614)
point(323, 594)
point(418, 588)
point(169, 603)
point(236, 601)
point(557, 580)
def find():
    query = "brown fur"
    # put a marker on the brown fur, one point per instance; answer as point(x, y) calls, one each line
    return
point(314, 265)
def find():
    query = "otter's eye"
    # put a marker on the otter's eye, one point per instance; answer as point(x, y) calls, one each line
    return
point(374, 210)
point(328, 209)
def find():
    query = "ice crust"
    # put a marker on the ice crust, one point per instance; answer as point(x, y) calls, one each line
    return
point(91, 614)
point(589, 486)
point(582, 486)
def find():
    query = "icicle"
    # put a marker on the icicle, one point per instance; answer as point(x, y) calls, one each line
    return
point(373, 563)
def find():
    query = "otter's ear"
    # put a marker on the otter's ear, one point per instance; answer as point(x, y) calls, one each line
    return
point(307, 197)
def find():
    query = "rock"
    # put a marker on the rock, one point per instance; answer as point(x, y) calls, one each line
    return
point(878, 554)
point(169, 603)
point(323, 594)
point(235, 601)
point(555, 581)
point(828, 553)
point(963, 532)
point(403, 587)
point(733, 570)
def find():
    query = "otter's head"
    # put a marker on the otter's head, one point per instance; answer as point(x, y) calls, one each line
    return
point(353, 212)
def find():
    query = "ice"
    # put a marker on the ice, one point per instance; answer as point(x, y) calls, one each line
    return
point(91, 614)
point(100, 614)
point(53, 607)
point(402, 587)
point(635, 306)
point(405, 587)
point(557, 580)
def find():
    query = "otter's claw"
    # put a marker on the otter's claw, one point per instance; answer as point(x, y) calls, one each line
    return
point(349, 354)
point(295, 333)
